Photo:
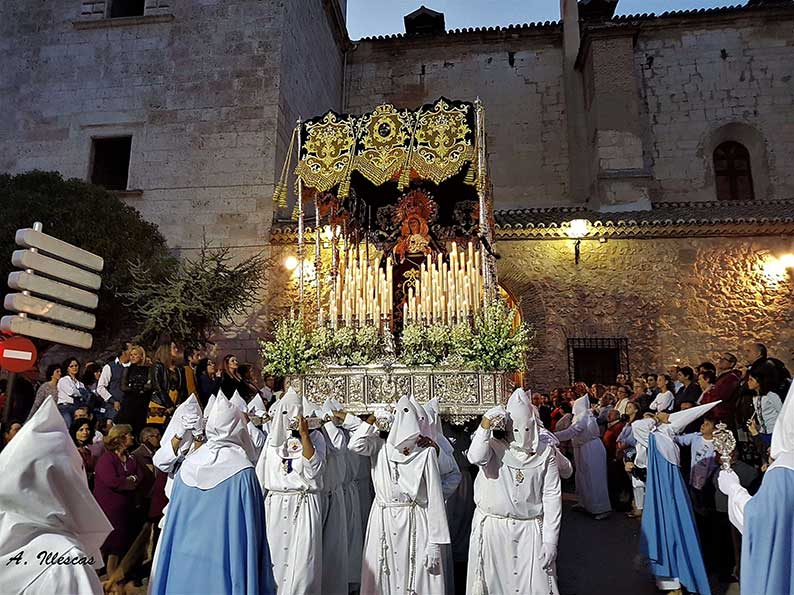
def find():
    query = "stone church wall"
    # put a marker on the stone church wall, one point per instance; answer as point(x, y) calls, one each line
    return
point(677, 298)
point(207, 91)
point(517, 75)
point(702, 84)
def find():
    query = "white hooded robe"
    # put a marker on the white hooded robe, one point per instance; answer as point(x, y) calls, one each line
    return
point(519, 507)
point(408, 511)
point(46, 506)
point(590, 458)
point(293, 504)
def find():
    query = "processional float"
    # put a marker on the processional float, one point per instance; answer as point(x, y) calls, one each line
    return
point(403, 235)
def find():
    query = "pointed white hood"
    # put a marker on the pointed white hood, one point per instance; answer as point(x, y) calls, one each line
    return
point(44, 497)
point(783, 435)
point(677, 422)
point(228, 450)
point(257, 406)
point(581, 408)
point(288, 408)
point(681, 419)
point(208, 408)
point(522, 431)
point(405, 430)
point(433, 411)
point(239, 402)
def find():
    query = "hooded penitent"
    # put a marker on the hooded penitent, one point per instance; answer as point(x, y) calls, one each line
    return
point(405, 430)
point(433, 412)
point(257, 406)
point(226, 453)
point(522, 431)
point(288, 409)
point(208, 408)
point(238, 402)
point(45, 502)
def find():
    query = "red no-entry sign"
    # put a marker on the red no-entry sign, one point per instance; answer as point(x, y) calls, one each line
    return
point(17, 354)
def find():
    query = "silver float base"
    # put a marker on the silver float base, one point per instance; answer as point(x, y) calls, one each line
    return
point(462, 394)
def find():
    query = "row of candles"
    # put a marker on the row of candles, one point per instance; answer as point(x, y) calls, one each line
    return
point(364, 291)
point(445, 289)
point(448, 290)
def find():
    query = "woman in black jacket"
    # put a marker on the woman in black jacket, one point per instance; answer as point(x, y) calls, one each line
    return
point(231, 380)
point(136, 382)
point(207, 381)
point(168, 382)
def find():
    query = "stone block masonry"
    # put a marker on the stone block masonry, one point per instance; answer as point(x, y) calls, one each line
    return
point(696, 80)
point(686, 299)
point(519, 79)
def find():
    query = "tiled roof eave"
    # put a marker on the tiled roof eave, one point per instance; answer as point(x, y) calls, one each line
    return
point(651, 230)
point(286, 234)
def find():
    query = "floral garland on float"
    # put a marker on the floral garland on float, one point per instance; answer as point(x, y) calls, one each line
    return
point(493, 342)
point(402, 295)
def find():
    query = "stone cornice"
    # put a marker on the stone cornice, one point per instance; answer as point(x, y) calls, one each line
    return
point(665, 220)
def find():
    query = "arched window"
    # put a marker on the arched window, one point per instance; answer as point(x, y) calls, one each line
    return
point(732, 172)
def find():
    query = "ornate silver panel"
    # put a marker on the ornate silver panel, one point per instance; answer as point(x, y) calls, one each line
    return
point(463, 394)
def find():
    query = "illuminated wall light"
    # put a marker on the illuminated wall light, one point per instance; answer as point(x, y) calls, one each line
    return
point(290, 263)
point(578, 228)
point(776, 269)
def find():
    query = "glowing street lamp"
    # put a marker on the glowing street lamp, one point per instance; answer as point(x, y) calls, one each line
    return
point(576, 230)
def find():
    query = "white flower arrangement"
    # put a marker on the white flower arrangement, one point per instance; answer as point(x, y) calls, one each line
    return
point(493, 344)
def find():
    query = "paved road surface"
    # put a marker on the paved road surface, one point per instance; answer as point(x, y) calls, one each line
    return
point(601, 557)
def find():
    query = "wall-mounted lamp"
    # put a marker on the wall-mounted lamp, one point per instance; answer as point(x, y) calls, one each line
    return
point(776, 269)
point(576, 230)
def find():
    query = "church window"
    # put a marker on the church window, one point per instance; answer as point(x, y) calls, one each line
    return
point(111, 162)
point(732, 171)
point(597, 360)
point(126, 8)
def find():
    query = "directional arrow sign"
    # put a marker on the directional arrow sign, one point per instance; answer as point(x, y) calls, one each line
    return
point(17, 302)
point(44, 330)
point(22, 281)
point(68, 275)
point(30, 238)
point(25, 259)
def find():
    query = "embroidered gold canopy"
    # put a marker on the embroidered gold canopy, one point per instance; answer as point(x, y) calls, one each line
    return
point(434, 142)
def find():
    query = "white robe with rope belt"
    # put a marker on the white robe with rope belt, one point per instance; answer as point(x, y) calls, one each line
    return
point(293, 514)
point(590, 458)
point(399, 528)
point(517, 511)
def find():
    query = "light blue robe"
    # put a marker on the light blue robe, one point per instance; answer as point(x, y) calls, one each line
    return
point(669, 536)
point(768, 540)
point(214, 541)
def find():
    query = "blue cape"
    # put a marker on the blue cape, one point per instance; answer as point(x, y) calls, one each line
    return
point(214, 541)
point(669, 536)
point(768, 540)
